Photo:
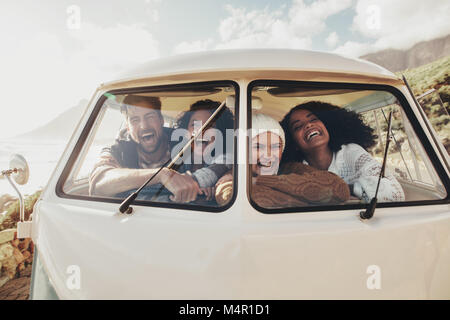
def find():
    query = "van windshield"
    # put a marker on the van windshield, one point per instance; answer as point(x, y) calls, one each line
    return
point(315, 146)
point(136, 132)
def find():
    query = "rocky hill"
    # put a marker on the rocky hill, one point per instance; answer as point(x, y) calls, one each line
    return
point(420, 54)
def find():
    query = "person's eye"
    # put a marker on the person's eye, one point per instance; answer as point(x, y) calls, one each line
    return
point(298, 127)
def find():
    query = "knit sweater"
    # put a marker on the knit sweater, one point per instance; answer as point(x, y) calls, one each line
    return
point(299, 185)
point(296, 185)
point(360, 170)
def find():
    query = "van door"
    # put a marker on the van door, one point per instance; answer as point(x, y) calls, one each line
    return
point(310, 247)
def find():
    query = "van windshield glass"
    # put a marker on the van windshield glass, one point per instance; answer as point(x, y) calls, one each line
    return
point(323, 146)
point(135, 134)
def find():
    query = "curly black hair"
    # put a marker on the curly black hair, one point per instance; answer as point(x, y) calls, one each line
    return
point(224, 119)
point(343, 126)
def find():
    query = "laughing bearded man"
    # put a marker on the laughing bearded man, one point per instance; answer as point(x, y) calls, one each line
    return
point(139, 151)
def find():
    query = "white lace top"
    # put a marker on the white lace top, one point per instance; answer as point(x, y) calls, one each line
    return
point(358, 168)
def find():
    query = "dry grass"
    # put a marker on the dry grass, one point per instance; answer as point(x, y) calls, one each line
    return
point(10, 212)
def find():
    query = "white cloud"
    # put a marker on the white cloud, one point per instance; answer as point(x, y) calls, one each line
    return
point(355, 49)
point(194, 46)
point(257, 29)
point(332, 39)
point(114, 48)
point(397, 24)
point(266, 28)
point(41, 78)
point(309, 19)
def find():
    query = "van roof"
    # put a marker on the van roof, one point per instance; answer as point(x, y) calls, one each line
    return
point(255, 60)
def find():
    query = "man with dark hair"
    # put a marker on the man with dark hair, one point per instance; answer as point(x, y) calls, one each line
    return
point(139, 151)
point(131, 100)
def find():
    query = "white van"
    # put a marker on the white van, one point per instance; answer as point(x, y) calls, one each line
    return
point(238, 249)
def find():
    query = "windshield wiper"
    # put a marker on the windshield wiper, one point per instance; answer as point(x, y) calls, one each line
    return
point(125, 205)
point(368, 213)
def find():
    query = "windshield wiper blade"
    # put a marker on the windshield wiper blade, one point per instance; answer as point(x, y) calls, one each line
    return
point(368, 213)
point(125, 205)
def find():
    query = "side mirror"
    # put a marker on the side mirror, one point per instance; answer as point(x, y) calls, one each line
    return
point(20, 165)
point(19, 171)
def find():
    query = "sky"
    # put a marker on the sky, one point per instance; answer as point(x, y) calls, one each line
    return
point(55, 53)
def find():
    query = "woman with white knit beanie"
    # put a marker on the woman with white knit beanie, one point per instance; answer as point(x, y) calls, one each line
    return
point(267, 145)
point(293, 185)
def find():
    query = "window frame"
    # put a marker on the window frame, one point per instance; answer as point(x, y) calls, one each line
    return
point(82, 139)
point(403, 102)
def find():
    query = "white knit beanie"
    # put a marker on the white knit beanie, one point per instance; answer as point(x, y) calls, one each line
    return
point(262, 123)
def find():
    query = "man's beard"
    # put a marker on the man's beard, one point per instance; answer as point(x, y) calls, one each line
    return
point(153, 146)
point(153, 149)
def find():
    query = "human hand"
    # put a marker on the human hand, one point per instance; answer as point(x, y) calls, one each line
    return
point(183, 187)
point(208, 192)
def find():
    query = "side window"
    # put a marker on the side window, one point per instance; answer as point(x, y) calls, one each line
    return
point(134, 134)
point(325, 146)
point(437, 112)
point(406, 155)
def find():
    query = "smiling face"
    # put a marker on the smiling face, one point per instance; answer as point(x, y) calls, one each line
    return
point(197, 120)
point(267, 149)
point(145, 126)
point(308, 131)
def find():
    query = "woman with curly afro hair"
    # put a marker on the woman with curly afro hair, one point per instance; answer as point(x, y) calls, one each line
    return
point(331, 138)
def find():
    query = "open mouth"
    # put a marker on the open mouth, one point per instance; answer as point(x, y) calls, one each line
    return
point(312, 134)
point(265, 164)
point(147, 136)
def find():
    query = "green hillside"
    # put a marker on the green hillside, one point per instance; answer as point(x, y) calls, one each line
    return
point(435, 75)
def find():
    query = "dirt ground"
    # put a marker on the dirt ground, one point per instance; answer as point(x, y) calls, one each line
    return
point(19, 288)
